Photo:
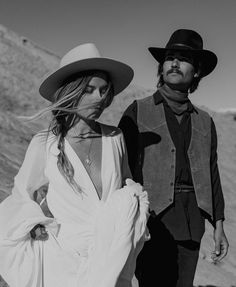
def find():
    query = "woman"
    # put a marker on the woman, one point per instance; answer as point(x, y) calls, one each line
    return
point(99, 214)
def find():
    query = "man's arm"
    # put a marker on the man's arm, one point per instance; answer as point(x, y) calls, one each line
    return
point(221, 242)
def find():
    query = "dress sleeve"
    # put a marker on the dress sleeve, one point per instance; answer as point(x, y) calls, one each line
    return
point(21, 257)
point(19, 213)
point(31, 174)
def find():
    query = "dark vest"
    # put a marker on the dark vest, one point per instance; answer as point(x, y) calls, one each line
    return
point(155, 167)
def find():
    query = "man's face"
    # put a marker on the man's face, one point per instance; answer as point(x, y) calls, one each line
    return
point(178, 70)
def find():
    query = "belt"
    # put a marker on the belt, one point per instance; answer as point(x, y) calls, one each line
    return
point(179, 189)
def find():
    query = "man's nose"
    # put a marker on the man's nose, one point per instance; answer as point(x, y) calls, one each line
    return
point(175, 63)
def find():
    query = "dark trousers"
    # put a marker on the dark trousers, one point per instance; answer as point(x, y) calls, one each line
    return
point(164, 261)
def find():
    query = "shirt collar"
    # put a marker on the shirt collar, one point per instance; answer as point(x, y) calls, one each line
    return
point(158, 99)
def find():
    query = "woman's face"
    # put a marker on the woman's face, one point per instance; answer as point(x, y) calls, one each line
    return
point(92, 103)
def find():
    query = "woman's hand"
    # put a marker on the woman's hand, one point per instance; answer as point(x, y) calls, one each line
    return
point(137, 187)
point(39, 232)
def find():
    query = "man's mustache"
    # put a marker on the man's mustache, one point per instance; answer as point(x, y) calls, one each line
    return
point(174, 71)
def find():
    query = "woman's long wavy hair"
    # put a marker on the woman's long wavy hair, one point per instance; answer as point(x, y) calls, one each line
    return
point(65, 114)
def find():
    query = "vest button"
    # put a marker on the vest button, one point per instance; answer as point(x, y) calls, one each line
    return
point(170, 199)
point(171, 184)
point(172, 150)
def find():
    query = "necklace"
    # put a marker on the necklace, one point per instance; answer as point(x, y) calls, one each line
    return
point(88, 160)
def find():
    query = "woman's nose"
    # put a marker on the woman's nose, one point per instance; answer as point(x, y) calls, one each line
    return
point(97, 93)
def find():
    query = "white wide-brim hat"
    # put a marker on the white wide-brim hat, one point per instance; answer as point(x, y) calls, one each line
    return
point(83, 58)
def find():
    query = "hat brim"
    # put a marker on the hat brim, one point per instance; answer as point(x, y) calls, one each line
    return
point(120, 75)
point(207, 58)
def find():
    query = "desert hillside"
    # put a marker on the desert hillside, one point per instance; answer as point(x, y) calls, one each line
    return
point(23, 64)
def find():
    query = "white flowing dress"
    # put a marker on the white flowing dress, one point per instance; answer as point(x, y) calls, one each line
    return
point(92, 242)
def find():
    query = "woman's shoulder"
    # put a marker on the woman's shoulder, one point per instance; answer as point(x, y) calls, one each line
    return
point(39, 138)
point(45, 142)
point(42, 138)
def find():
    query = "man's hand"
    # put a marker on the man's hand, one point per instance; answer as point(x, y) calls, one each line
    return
point(39, 232)
point(221, 243)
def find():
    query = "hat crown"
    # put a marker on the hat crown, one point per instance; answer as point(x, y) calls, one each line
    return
point(81, 52)
point(185, 39)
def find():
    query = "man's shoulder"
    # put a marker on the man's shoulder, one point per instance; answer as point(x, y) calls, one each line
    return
point(132, 108)
point(202, 119)
point(145, 99)
point(145, 103)
point(202, 112)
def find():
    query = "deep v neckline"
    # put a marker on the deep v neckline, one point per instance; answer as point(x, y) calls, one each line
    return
point(85, 169)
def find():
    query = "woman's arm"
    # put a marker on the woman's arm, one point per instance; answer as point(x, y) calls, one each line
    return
point(19, 213)
point(31, 175)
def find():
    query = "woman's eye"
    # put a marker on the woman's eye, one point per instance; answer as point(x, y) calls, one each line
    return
point(89, 90)
point(103, 91)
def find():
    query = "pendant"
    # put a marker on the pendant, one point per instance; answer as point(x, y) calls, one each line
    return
point(88, 161)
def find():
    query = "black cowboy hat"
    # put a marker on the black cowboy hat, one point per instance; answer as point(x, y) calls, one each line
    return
point(190, 41)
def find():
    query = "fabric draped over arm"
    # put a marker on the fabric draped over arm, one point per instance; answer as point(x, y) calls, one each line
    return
point(19, 213)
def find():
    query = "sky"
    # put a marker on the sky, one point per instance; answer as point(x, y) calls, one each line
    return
point(124, 29)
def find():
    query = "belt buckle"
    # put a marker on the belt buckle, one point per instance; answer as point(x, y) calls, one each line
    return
point(179, 189)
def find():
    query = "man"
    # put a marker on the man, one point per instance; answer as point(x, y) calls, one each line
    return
point(172, 148)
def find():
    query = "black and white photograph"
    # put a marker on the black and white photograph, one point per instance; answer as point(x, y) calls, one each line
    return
point(118, 143)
